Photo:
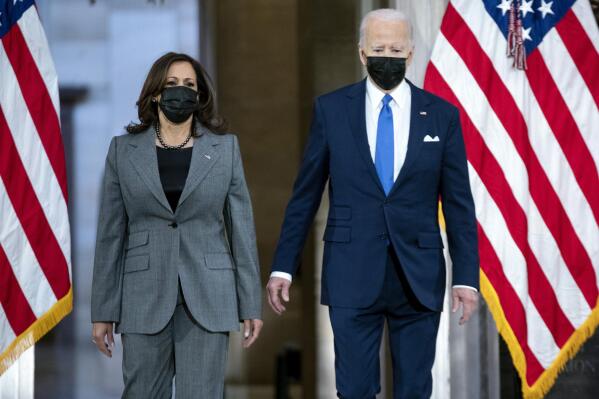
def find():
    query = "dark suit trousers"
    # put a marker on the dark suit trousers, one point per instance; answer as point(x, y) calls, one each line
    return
point(184, 349)
point(412, 337)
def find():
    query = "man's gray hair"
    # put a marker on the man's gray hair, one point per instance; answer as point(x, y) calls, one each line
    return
point(385, 14)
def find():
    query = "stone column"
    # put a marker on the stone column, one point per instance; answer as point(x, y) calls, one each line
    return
point(17, 381)
point(257, 78)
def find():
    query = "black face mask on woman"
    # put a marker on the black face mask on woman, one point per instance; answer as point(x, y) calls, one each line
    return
point(178, 103)
point(387, 72)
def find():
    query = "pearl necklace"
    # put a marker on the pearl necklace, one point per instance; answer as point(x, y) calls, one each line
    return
point(170, 147)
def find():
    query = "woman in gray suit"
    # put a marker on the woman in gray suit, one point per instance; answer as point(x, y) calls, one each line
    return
point(176, 265)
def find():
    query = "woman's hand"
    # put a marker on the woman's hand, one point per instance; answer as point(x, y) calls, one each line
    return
point(251, 331)
point(103, 338)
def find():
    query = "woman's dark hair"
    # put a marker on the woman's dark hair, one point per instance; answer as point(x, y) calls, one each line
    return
point(147, 110)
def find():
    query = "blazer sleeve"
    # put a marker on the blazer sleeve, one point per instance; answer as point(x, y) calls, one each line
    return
point(110, 239)
point(305, 199)
point(458, 208)
point(239, 223)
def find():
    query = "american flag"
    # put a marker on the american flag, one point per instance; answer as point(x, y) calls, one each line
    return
point(525, 76)
point(35, 264)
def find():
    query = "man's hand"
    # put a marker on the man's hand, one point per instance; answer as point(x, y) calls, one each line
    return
point(251, 331)
point(278, 286)
point(103, 338)
point(469, 300)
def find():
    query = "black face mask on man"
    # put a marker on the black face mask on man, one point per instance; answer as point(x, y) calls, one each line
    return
point(178, 103)
point(387, 72)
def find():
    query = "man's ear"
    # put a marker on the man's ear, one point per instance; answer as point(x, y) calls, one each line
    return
point(362, 55)
point(410, 56)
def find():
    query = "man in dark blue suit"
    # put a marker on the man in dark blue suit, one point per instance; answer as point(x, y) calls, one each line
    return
point(389, 151)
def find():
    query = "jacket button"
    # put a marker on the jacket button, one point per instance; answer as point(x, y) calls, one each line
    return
point(383, 236)
point(173, 225)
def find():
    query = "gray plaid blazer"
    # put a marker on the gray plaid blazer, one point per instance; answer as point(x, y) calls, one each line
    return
point(142, 246)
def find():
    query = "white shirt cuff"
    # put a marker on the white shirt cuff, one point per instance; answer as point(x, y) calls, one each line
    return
point(284, 275)
point(465, 286)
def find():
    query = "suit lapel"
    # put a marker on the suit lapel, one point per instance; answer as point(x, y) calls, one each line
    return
point(418, 124)
point(145, 162)
point(357, 117)
point(203, 158)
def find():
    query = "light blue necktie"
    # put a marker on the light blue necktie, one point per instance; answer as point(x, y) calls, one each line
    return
point(383, 157)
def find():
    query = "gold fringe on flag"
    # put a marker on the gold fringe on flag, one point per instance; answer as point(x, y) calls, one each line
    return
point(542, 386)
point(36, 331)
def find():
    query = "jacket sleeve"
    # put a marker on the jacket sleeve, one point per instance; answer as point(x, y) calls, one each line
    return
point(239, 222)
point(305, 199)
point(458, 208)
point(110, 238)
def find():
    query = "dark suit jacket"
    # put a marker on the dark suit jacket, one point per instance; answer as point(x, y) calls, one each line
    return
point(362, 220)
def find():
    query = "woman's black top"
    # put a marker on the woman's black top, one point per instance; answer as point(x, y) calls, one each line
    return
point(173, 166)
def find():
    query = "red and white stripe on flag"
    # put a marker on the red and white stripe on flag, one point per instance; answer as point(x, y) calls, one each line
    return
point(35, 252)
point(531, 129)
